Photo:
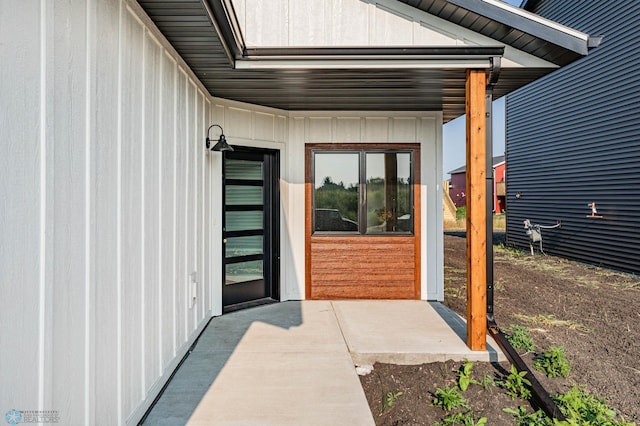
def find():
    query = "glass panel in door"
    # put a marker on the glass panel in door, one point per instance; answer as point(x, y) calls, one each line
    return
point(248, 227)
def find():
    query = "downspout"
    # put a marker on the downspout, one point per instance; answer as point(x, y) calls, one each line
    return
point(492, 80)
point(539, 394)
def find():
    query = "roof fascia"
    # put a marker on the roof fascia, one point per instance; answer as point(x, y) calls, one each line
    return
point(529, 23)
point(224, 20)
point(370, 57)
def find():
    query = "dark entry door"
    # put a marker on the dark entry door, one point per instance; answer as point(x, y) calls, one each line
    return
point(250, 228)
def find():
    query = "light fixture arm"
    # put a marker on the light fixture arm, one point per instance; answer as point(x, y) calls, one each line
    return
point(208, 132)
point(222, 144)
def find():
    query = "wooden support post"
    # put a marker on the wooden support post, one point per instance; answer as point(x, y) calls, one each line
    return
point(476, 210)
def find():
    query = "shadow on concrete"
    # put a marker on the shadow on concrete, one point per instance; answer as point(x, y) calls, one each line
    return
point(196, 375)
point(459, 326)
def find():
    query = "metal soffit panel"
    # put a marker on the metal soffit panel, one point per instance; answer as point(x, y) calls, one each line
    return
point(202, 34)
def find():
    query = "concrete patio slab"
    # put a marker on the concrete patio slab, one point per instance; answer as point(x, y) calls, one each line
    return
point(406, 332)
point(292, 363)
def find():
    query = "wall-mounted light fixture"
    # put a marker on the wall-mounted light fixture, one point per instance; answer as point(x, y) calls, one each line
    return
point(222, 144)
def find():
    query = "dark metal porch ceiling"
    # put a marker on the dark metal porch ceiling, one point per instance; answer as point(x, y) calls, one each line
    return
point(204, 35)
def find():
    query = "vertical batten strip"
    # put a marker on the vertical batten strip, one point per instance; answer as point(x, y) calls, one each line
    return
point(174, 257)
point(476, 209)
point(194, 254)
point(43, 204)
point(185, 276)
point(88, 323)
point(143, 263)
point(201, 234)
point(160, 208)
point(119, 220)
point(206, 218)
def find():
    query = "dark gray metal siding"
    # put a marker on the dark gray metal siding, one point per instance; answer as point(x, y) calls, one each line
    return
point(573, 137)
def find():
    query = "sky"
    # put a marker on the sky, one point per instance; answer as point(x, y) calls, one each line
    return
point(454, 139)
point(454, 144)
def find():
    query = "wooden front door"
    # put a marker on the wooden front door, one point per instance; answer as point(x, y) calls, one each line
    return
point(362, 221)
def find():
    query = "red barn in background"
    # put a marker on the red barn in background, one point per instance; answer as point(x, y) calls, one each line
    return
point(458, 185)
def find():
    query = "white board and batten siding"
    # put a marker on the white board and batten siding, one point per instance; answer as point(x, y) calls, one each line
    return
point(288, 131)
point(104, 219)
point(372, 127)
point(339, 23)
point(110, 216)
point(258, 127)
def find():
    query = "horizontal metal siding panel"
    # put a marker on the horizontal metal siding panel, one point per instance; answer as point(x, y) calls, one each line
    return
point(573, 138)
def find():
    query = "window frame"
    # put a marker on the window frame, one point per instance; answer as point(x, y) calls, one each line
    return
point(362, 150)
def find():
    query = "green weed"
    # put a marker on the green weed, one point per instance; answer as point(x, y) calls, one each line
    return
point(553, 362)
point(390, 399)
point(486, 381)
point(582, 408)
point(516, 385)
point(449, 399)
point(465, 419)
point(520, 338)
point(523, 418)
point(465, 379)
point(464, 376)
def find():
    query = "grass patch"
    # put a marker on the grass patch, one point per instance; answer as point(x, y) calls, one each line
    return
point(551, 321)
point(537, 263)
point(458, 225)
point(456, 292)
point(502, 248)
point(587, 282)
point(452, 270)
point(461, 213)
point(498, 285)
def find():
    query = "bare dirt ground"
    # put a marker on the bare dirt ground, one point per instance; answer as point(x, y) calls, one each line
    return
point(593, 313)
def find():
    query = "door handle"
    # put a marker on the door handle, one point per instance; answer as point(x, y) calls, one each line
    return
point(224, 241)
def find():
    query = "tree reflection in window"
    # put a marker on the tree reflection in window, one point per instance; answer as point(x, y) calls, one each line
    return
point(388, 201)
point(336, 192)
point(384, 206)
